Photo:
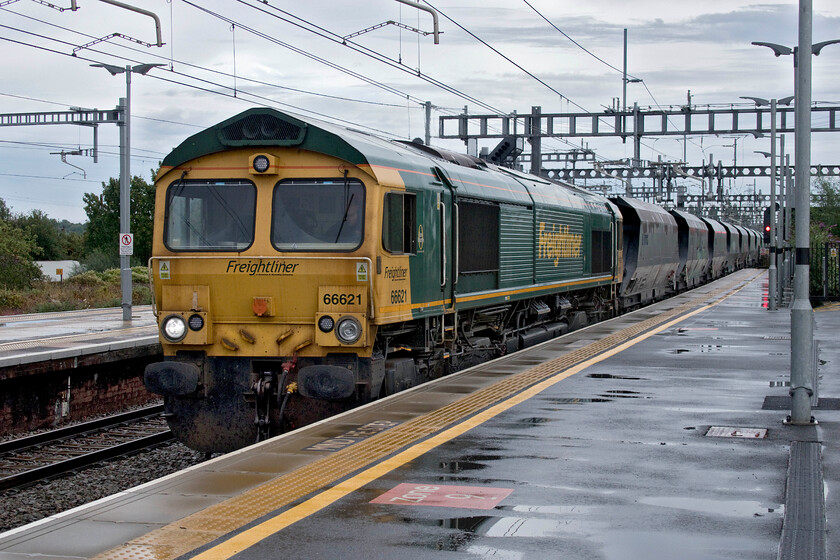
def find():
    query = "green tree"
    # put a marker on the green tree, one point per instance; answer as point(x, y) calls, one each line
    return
point(825, 207)
point(46, 234)
point(5, 213)
point(16, 263)
point(103, 228)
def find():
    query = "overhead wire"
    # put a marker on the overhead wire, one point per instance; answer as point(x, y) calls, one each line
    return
point(319, 30)
point(333, 38)
point(353, 45)
point(498, 52)
point(596, 57)
point(581, 47)
point(210, 70)
point(263, 99)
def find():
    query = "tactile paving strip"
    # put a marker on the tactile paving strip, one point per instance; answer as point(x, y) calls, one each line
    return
point(803, 530)
point(201, 528)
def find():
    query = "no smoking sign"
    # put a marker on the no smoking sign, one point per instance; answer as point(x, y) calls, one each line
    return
point(126, 244)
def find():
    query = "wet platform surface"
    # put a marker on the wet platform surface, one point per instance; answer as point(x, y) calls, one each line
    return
point(41, 338)
point(646, 437)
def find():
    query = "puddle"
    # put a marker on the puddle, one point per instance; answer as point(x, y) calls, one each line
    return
point(468, 463)
point(611, 376)
point(557, 510)
point(528, 361)
point(575, 400)
point(706, 348)
point(625, 395)
point(730, 508)
point(491, 526)
point(497, 553)
point(458, 466)
point(533, 421)
point(679, 351)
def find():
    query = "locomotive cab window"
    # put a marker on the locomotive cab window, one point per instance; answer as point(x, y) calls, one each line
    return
point(398, 223)
point(208, 215)
point(318, 215)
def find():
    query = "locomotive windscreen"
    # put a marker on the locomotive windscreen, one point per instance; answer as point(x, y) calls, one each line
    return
point(208, 215)
point(318, 215)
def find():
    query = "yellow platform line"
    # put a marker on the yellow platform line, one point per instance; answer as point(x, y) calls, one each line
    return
point(433, 429)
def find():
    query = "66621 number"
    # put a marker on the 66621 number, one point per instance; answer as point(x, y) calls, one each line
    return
point(342, 299)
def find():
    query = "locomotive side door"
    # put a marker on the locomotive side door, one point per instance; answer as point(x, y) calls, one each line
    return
point(448, 214)
point(432, 263)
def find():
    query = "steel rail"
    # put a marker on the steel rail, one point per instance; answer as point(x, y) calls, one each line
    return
point(84, 459)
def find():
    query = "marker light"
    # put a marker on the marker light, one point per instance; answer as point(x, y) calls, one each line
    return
point(261, 164)
point(173, 328)
point(326, 323)
point(196, 322)
point(348, 330)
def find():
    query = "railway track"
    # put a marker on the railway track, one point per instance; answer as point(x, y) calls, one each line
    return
point(42, 456)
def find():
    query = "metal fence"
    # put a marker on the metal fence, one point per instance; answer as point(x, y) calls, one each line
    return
point(825, 271)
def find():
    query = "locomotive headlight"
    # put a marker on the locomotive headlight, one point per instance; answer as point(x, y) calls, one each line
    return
point(173, 328)
point(348, 330)
point(261, 164)
point(326, 323)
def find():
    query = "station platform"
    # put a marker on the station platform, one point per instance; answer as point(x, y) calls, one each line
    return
point(656, 435)
point(68, 339)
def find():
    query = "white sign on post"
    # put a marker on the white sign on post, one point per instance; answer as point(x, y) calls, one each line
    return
point(126, 244)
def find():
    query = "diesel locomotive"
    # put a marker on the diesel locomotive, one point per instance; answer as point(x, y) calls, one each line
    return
point(301, 268)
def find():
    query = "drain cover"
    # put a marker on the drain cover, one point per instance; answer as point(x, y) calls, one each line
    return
point(743, 433)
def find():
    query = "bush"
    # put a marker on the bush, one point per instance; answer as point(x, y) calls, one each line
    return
point(142, 294)
point(90, 278)
point(140, 275)
point(16, 263)
point(51, 306)
point(112, 275)
point(100, 260)
point(10, 299)
point(93, 284)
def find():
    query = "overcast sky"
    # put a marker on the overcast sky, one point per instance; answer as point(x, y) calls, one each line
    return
point(221, 57)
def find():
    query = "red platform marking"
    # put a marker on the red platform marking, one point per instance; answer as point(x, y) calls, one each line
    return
point(473, 497)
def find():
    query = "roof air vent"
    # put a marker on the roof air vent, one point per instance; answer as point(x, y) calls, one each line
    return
point(262, 129)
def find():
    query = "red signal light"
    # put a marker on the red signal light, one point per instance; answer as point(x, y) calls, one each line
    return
point(767, 228)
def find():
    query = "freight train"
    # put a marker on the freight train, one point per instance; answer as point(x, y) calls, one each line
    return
point(301, 268)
